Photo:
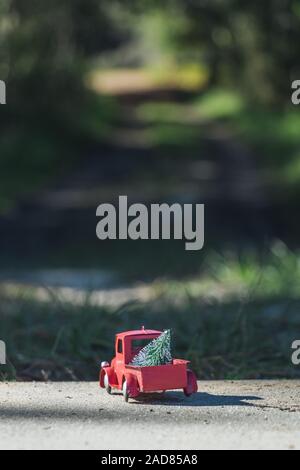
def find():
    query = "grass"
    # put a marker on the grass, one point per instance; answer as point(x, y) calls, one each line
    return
point(235, 321)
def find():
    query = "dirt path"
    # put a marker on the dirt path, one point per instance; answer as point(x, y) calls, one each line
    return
point(223, 415)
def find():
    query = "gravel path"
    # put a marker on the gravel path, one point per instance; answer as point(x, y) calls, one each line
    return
point(223, 415)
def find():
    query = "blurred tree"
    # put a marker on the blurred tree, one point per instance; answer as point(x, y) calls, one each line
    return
point(45, 46)
point(254, 45)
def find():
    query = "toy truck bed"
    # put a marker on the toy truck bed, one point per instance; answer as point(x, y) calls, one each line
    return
point(158, 378)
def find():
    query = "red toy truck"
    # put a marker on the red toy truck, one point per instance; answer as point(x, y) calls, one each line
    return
point(132, 380)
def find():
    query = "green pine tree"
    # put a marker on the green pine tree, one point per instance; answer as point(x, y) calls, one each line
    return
point(156, 353)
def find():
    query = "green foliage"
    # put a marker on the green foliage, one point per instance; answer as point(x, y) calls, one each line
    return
point(50, 116)
point(156, 353)
point(252, 46)
point(220, 104)
point(272, 134)
point(46, 49)
point(157, 31)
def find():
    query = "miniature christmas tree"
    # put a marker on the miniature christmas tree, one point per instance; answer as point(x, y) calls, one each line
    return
point(156, 353)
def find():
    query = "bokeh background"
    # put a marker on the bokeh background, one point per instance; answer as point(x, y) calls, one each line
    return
point(174, 101)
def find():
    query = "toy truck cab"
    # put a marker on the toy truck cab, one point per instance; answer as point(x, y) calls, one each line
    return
point(133, 380)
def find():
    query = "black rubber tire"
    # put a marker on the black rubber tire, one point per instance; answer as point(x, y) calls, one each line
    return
point(185, 390)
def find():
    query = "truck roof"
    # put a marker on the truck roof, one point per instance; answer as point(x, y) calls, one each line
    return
point(140, 332)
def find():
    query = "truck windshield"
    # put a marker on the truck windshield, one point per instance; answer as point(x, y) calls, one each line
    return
point(140, 343)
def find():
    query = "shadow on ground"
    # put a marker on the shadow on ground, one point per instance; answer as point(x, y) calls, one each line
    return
point(198, 399)
point(75, 412)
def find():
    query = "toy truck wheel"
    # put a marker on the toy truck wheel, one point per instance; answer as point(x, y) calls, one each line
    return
point(191, 384)
point(125, 391)
point(106, 384)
